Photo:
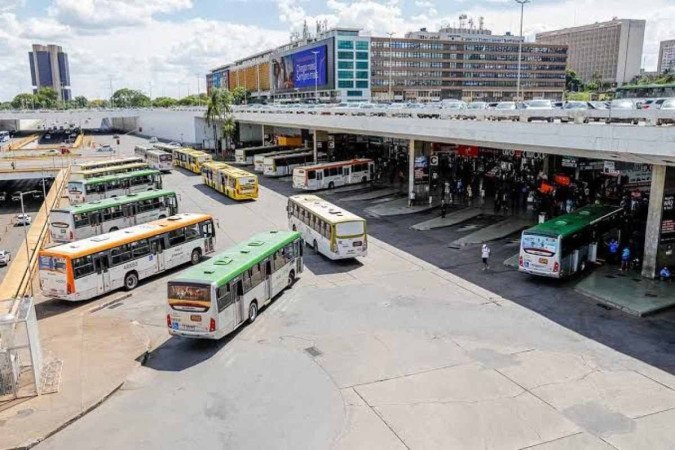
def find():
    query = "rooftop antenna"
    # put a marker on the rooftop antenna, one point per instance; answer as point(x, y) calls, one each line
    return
point(318, 27)
point(481, 20)
point(471, 23)
point(305, 30)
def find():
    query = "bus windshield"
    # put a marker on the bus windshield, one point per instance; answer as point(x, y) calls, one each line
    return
point(355, 228)
point(189, 296)
point(52, 264)
point(536, 244)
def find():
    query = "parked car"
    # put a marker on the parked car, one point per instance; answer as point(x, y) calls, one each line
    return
point(453, 104)
point(539, 104)
point(5, 257)
point(668, 105)
point(571, 105)
point(506, 106)
point(104, 148)
point(22, 220)
point(37, 195)
point(16, 197)
point(116, 136)
point(652, 103)
point(622, 104)
point(598, 105)
point(153, 140)
point(3, 196)
point(477, 105)
point(177, 144)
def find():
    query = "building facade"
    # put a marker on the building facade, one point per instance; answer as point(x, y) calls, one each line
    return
point(608, 51)
point(666, 56)
point(49, 68)
point(467, 64)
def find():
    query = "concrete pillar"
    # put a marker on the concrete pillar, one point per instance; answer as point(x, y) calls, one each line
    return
point(315, 146)
point(411, 166)
point(653, 229)
point(262, 130)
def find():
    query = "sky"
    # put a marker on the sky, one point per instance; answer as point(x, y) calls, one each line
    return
point(165, 47)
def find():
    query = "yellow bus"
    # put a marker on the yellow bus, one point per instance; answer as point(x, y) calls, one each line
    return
point(190, 159)
point(236, 183)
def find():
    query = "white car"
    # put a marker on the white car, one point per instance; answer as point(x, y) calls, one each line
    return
point(22, 220)
point(175, 144)
point(153, 140)
point(16, 197)
point(105, 148)
point(5, 257)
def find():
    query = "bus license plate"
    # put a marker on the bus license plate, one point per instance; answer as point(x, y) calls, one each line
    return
point(358, 244)
point(543, 261)
point(196, 318)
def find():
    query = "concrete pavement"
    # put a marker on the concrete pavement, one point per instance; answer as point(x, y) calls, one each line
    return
point(386, 352)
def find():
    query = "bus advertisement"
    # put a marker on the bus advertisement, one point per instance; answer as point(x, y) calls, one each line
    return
point(334, 174)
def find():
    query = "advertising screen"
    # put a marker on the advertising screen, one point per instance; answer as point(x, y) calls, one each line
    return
point(299, 70)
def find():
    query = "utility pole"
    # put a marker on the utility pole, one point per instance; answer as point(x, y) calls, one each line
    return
point(112, 101)
point(520, 45)
point(391, 89)
point(199, 100)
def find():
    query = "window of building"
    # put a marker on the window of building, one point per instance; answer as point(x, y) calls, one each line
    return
point(362, 84)
point(362, 74)
point(362, 65)
point(346, 55)
point(345, 45)
point(362, 45)
point(363, 56)
point(346, 64)
point(345, 84)
point(345, 74)
point(354, 93)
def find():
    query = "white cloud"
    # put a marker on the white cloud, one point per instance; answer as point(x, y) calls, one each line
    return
point(10, 5)
point(112, 13)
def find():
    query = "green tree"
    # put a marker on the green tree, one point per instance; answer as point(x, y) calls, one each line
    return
point(164, 102)
point(130, 98)
point(80, 101)
point(572, 81)
point(219, 113)
point(98, 103)
point(25, 101)
point(5, 106)
point(194, 100)
point(240, 95)
point(46, 97)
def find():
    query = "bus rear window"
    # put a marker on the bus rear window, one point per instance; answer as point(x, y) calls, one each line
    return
point(355, 228)
point(53, 264)
point(189, 296)
point(535, 244)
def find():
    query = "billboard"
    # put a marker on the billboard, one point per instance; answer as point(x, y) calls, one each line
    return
point(220, 79)
point(300, 70)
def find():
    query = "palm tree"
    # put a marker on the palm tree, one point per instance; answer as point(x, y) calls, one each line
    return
point(219, 111)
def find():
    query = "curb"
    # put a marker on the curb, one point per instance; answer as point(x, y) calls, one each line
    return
point(109, 303)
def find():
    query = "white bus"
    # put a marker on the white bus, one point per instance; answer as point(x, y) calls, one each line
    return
point(279, 166)
point(331, 175)
point(245, 155)
point(217, 296)
point(142, 150)
point(104, 216)
point(104, 171)
point(93, 165)
point(159, 160)
point(83, 191)
point(169, 148)
point(259, 159)
point(91, 267)
point(329, 229)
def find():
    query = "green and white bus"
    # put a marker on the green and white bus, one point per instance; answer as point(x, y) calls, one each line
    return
point(563, 246)
point(82, 191)
point(215, 297)
point(104, 216)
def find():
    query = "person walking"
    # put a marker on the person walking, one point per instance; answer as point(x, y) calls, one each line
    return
point(613, 248)
point(443, 208)
point(625, 259)
point(469, 195)
point(665, 274)
point(411, 200)
point(485, 255)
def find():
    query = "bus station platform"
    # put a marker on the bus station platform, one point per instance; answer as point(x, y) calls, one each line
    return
point(372, 195)
point(399, 207)
point(450, 219)
point(495, 231)
point(627, 291)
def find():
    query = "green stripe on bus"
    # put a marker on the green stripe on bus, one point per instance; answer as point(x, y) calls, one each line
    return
point(573, 222)
point(121, 176)
point(116, 201)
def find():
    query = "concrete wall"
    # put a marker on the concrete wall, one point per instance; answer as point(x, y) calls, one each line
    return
point(180, 126)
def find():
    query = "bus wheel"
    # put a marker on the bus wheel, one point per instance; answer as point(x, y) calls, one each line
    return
point(252, 312)
point(131, 281)
point(162, 216)
point(113, 229)
point(582, 266)
point(196, 256)
point(291, 278)
point(364, 179)
point(331, 185)
point(294, 228)
point(315, 246)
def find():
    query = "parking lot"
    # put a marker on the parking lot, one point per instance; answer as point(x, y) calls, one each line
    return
point(391, 351)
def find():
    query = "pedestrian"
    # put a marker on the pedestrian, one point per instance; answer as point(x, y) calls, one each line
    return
point(411, 199)
point(613, 248)
point(485, 255)
point(665, 274)
point(443, 208)
point(469, 194)
point(625, 259)
point(13, 165)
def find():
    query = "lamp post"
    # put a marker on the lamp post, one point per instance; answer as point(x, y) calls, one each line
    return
point(316, 76)
point(391, 90)
point(520, 44)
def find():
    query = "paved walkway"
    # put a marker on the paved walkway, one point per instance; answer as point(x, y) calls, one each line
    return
point(450, 219)
point(496, 231)
point(628, 292)
point(398, 207)
point(372, 195)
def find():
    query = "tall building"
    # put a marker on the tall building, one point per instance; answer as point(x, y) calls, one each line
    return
point(49, 68)
point(464, 63)
point(610, 50)
point(666, 56)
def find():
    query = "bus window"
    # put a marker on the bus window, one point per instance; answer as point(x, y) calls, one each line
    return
point(311, 175)
point(539, 245)
point(224, 297)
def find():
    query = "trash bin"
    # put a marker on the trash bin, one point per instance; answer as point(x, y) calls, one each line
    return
point(593, 252)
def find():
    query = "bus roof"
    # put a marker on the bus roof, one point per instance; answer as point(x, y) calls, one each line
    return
point(245, 150)
point(114, 201)
point(235, 171)
point(328, 165)
point(121, 167)
point(327, 211)
point(293, 155)
point(571, 223)
point(118, 176)
point(282, 152)
point(156, 151)
point(227, 265)
point(214, 165)
point(107, 241)
point(108, 162)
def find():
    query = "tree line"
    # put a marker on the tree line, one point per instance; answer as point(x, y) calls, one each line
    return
point(48, 98)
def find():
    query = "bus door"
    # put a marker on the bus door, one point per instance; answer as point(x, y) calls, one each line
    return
point(102, 266)
point(129, 215)
point(238, 301)
point(345, 173)
point(157, 246)
point(319, 178)
point(299, 247)
point(95, 222)
point(267, 277)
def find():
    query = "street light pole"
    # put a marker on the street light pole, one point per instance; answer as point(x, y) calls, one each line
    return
point(391, 91)
point(316, 76)
point(25, 232)
point(520, 44)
